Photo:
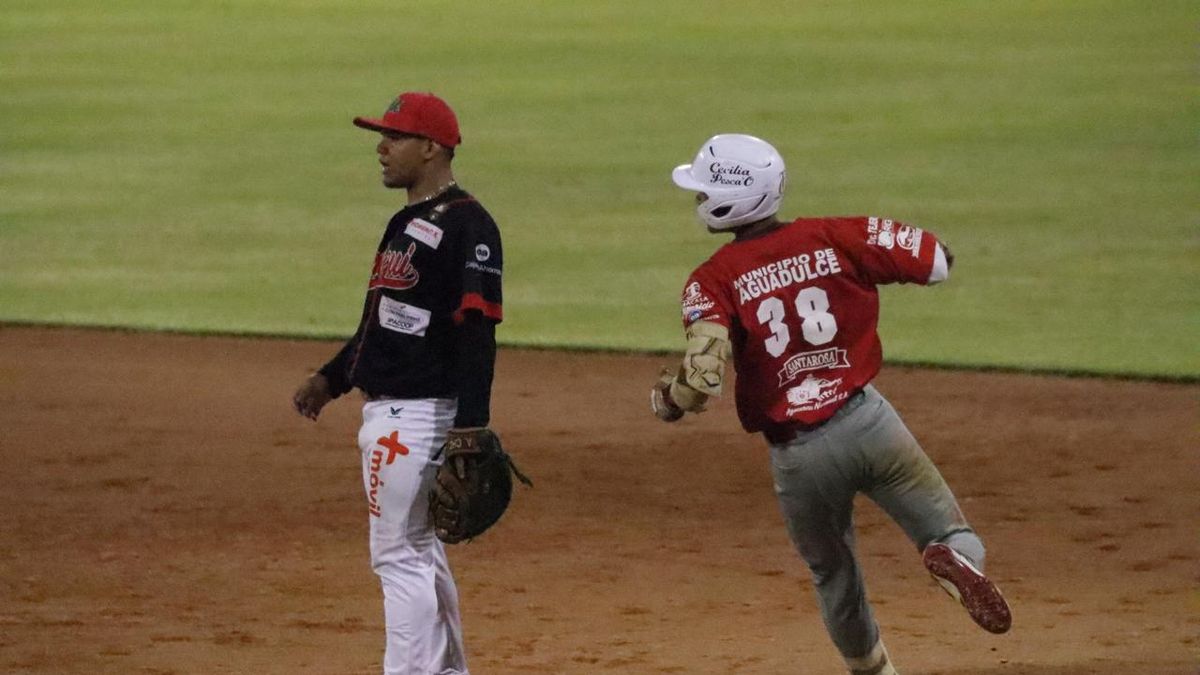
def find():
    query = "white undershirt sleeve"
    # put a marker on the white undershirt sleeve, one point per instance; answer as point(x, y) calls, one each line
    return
point(941, 271)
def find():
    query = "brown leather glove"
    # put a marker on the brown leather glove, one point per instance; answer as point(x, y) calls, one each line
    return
point(474, 485)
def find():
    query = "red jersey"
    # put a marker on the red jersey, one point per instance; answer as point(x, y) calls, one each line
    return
point(802, 308)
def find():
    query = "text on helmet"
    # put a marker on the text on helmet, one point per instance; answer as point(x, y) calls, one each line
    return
point(734, 175)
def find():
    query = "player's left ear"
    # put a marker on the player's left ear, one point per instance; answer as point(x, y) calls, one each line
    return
point(429, 148)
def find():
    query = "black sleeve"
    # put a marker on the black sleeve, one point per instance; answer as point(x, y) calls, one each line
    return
point(474, 367)
point(337, 371)
point(481, 257)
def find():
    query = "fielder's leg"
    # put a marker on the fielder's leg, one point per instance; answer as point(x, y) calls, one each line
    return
point(449, 622)
point(398, 440)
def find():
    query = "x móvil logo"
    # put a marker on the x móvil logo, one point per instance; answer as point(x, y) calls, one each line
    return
point(394, 447)
point(390, 443)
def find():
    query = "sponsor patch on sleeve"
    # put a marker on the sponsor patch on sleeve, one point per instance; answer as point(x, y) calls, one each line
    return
point(479, 267)
point(402, 318)
point(909, 239)
point(695, 303)
point(879, 232)
point(886, 233)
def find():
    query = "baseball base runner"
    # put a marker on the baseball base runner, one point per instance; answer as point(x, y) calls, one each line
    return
point(796, 305)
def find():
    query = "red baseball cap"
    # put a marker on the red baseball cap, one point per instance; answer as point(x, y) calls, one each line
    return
point(416, 113)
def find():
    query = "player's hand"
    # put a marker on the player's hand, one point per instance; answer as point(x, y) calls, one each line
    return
point(312, 396)
point(661, 403)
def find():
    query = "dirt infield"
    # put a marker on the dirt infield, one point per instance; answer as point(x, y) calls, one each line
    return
point(165, 511)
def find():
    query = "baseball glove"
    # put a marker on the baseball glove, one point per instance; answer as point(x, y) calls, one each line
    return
point(473, 487)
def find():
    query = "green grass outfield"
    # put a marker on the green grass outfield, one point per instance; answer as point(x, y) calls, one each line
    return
point(191, 165)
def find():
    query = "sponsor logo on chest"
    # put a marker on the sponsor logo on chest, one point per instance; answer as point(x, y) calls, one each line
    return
point(424, 231)
point(395, 270)
point(403, 318)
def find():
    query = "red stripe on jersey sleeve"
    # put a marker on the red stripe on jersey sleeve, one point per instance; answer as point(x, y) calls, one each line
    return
point(475, 301)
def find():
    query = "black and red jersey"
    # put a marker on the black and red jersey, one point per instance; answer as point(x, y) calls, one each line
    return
point(433, 300)
point(802, 309)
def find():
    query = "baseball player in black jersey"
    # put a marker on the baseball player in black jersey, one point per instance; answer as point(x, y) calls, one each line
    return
point(423, 357)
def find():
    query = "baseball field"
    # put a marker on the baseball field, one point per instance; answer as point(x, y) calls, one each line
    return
point(186, 222)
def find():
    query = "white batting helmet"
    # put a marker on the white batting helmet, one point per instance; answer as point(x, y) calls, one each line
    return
point(742, 175)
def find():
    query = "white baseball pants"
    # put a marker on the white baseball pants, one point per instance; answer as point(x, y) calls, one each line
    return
point(399, 438)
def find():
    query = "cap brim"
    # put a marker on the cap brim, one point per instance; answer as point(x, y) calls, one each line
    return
point(372, 124)
point(375, 124)
point(682, 175)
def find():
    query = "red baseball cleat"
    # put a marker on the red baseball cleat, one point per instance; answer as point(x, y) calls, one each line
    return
point(969, 586)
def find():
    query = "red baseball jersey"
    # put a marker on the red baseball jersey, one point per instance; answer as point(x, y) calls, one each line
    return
point(802, 308)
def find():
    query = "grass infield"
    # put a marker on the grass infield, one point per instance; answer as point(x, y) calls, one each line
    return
point(191, 165)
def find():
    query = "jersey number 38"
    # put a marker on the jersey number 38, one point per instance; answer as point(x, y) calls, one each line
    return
point(812, 304)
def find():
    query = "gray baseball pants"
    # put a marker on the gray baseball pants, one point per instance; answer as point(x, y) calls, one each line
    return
point(864, 448)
